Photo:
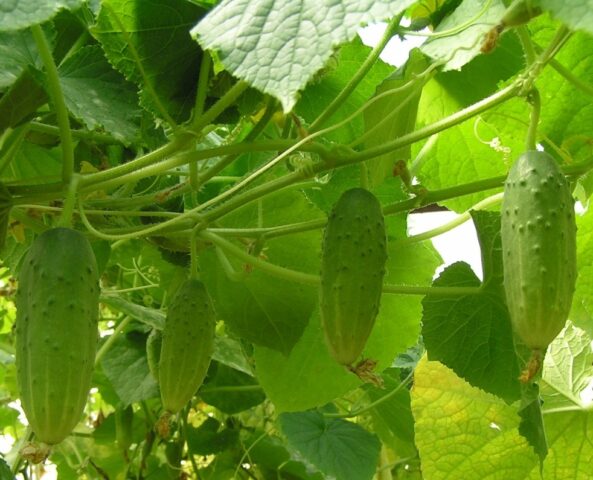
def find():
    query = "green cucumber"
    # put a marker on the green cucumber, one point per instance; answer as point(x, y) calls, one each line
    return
point(354, 253)
point(56, 331)
point(187, 345)
point(538, 233)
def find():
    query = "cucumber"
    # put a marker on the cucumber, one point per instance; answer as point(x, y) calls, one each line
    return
point(538, 233)
point(187, 345)
point(56, 331)
point(353, 258)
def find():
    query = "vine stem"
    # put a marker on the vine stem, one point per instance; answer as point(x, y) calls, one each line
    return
point(359, 75)
point(57, 96)
point(83, 134)
point(111, 339)
point(374, 404)
point(536, 106)
point(460, 219)
point(174, 146)
point(66, 217)
point(314, 280)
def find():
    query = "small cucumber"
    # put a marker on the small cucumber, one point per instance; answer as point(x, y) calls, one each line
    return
point(538, 233)
point(187, 345)
point(353, 258)
point(56, 331)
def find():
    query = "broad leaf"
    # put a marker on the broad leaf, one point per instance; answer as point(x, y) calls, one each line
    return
point(307, 378)
point(463, 432)
point(98, 95)
point(394, 115)
point(17, 51)
point(18, 14)
point(472, 334)
point(277, 46)
point(219, 390)
point(337, 448)
point(466, 29)
point(149, 43)
point(265, 310)
point(576, 14)
point(127, 369)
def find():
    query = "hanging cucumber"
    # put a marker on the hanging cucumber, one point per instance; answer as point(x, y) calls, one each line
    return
point(353, 260)
point(56, 334)
point(187, 346)
point(539, 249)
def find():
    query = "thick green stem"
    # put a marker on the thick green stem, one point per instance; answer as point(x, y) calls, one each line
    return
point(436, 127)
point(109, 342)
point(82, 134)
point(69, 203)
point(203, 78)
point(536, 106)
point(358, 76)
point(460, 219)
point(527, 44)
point(55, 93)
point(310, 279)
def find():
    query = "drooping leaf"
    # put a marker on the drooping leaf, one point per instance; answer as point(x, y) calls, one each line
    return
point(218, 390)
point(149, 316)
point(394, 115)
point(17, 51)
point(21, 100)
point(149, 43)
point(576, 14)
point(98, 95)
point(337, 448)
point(265, 310)
point(308, 377)
point(127, 369)
point(473, 20)
point(277, 46)
point(472, 333)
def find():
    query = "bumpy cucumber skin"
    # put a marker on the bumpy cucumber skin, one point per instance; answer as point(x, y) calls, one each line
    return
point(187, 345)
point(56, 331)
point(538, 233)
point(354, 253)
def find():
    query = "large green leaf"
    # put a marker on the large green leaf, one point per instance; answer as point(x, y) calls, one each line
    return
point(126, 368)
point(466, 28)
point(17, 51)
point(149, 43)
point(472, 334)
point(463, 432)
point(308, 377)
point(98, 95)
point(476, 148)
point(18, 14)
point(577, 14)
point(336, 447)
point(394, 115)
point(277, 46)
point(265, 310)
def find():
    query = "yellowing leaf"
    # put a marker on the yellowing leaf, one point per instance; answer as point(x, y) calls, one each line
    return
point(463, 432)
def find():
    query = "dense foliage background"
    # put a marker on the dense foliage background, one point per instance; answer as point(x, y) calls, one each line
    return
point(232, 127)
